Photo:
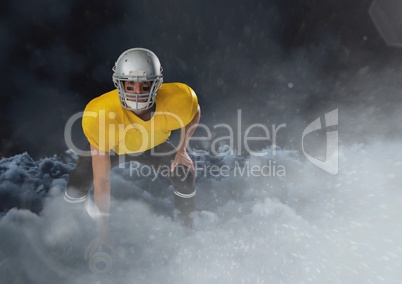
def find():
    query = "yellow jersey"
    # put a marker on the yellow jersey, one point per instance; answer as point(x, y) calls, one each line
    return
point(108, 126)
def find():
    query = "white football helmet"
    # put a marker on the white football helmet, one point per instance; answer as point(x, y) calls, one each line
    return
point(137, 65)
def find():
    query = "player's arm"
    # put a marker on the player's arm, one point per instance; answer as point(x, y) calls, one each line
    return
point(101, 168)
point(185, 135)
point(188, 131)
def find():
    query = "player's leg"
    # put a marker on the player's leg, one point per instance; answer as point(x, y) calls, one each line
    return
point(67, 226)
point(182, 179)
point(79, 182)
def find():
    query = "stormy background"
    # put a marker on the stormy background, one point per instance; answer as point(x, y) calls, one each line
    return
point(279, 62)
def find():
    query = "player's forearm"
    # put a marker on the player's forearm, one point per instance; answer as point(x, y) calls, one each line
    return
point(101, 170)
point(188, 131)
point(102, 202)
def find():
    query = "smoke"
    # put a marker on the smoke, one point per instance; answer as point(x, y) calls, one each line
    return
point(308, 226)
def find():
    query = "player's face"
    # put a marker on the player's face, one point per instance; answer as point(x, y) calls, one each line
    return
point(137, 87)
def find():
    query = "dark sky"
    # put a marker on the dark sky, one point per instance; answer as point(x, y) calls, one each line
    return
point(58, 55)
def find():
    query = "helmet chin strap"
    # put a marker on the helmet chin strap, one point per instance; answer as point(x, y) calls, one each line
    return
point(137, 105)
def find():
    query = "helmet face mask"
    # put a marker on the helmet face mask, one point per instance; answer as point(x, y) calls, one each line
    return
point(137, 65)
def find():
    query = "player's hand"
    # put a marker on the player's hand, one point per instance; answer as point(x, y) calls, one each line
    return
point(95, 244)
point(182, 158)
